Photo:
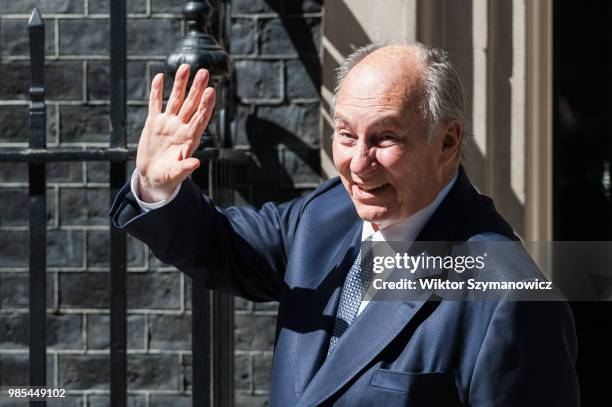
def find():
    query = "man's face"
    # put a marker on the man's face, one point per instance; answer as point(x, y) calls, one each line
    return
point(380, 147)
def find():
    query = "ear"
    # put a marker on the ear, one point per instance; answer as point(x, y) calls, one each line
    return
point(451, 140)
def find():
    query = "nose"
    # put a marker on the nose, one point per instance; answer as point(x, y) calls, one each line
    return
point(363, 160)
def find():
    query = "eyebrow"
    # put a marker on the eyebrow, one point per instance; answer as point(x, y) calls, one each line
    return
point(340, 118)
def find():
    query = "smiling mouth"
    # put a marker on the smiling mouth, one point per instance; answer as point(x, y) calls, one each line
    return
point(370, 188)
point(369, 193)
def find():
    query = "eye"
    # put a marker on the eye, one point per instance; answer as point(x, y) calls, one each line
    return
point(345, 135)
point(386, 139)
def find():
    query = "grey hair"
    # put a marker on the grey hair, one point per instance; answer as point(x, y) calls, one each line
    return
point(443, 93)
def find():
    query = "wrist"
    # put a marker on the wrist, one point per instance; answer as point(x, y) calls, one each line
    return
point(151, 194)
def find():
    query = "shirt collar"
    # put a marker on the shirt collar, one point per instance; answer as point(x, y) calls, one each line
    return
point(409, 228)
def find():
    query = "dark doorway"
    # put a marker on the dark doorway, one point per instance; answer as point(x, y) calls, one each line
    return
point(582, 166)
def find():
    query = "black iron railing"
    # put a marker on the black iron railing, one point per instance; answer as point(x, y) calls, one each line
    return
point(37, 191)
point(212, 313)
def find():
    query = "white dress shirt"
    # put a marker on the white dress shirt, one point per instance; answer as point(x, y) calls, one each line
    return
point(146, 206)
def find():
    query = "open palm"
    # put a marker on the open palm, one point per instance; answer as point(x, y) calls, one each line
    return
point(169, 138)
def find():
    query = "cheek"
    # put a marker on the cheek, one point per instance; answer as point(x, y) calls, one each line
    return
point(341, 156)
point(394, 162)
point(407, 173)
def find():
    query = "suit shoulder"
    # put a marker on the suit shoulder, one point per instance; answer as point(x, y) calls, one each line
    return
point(483, 222)
point(332, 185)
point(330, 192)
point(329, 202)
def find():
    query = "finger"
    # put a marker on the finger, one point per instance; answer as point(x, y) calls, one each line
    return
point(195, 93)
point(155, 97)
point(206, 108)
point(207, 104)
point(184, 168)
point(196, 134)
point(200, 119)
point(178, 89)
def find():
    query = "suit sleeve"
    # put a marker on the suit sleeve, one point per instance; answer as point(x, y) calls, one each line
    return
point(527, 357)
point(240, 251)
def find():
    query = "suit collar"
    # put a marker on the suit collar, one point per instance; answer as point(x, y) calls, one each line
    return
point(444, 225)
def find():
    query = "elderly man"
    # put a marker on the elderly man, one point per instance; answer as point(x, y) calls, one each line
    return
point(399, 128)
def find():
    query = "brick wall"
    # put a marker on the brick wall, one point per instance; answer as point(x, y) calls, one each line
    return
point(275, 47)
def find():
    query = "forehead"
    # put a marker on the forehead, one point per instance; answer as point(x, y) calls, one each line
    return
point(390, 118)
point(383, 85)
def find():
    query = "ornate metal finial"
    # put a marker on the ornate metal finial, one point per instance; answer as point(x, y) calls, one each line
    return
point(199, 49)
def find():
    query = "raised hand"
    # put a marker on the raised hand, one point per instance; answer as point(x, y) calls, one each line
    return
point(169, 139)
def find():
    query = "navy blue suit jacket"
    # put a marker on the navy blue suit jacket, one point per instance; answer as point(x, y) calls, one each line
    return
point(396, 353)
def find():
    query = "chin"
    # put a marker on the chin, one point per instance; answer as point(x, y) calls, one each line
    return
point(378, 215)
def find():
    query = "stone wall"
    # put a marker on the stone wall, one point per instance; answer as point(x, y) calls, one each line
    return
point(275, 48)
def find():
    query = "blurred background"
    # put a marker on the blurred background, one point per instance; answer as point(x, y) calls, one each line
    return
point(537, 81)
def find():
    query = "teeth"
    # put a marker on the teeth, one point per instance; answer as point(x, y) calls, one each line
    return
point(370, 187)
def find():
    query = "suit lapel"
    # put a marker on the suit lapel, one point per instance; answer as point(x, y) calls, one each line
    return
point(368, 335)
point(312, 343)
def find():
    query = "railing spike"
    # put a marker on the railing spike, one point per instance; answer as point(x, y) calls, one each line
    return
point(35, 19)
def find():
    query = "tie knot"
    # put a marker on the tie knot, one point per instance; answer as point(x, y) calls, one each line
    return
point(366, 244)
point(366, 250)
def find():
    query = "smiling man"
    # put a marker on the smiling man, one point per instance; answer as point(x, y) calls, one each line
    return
point(392, 157)
point(399, 129)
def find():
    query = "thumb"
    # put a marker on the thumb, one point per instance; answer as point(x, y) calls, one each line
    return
point(185, 167)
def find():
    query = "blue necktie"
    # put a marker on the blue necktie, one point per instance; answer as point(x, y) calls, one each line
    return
point(355, 286)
